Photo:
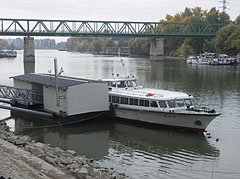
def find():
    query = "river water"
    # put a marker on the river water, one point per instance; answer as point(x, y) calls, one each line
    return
point(140, 150)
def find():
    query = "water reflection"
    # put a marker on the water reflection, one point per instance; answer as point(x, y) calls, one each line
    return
point(132, 145)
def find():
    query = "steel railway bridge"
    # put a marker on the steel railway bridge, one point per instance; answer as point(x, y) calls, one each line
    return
point(154, 30)
point(37, 27)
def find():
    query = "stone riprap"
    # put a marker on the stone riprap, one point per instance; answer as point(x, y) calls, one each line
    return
point(40, 160)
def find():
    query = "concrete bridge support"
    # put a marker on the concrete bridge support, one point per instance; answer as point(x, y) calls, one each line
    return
point(29, 55)
point(156, 47)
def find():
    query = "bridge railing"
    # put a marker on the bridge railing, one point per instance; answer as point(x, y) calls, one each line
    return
point(36, 27)
point(21, 95)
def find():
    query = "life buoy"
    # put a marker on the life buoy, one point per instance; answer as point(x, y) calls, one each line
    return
point(149, 94)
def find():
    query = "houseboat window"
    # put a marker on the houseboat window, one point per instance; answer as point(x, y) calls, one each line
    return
point(133, 101)
point(115, 99)
point(180, 103)
point(144, 103)
point(110, 98)
point(162, 104)
point(121, 84)
point(171, 103)
point(124, 100)
point(153, 104)
point(131, 84)
point(113, 84)
point(188, 102)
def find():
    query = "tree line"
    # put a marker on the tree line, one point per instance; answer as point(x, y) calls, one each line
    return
point(226, 41)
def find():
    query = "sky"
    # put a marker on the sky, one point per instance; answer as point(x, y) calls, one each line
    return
point(118, 10)
point(129, 10)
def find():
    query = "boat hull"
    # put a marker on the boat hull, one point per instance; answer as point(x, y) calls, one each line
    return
point(195, 122)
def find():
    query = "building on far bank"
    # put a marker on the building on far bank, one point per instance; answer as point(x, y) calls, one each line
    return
point(18, 43)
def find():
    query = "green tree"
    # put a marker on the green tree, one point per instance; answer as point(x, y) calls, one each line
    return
point(140, 46)
point(228, 39)
point(96, 45)
point(108, 42)
point(122, 43)
point(3, 44)
point(185, 50)
point(237, 21)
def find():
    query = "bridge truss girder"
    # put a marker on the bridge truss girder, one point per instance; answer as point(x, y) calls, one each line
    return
point(36, 27)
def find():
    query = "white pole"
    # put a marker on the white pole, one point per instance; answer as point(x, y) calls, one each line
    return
point(56, 82)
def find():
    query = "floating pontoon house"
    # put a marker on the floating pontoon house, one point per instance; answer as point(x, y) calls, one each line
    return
point(74, 97)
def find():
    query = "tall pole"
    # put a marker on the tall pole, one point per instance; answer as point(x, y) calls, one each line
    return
point(224, 6)
point(56, 82)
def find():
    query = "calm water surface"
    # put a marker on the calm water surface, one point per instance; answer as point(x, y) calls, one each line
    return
point(139, 150)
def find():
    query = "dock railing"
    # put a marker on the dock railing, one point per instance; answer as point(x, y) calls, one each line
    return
point(21, 95)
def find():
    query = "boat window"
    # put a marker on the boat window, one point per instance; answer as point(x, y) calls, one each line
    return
point(133, 101)
point(162, 104)
point(144, 103)
point(131, 84)
point(153, 104)
point(171, 103)
point(112, 84)
point(115, 99)
point(110, 98)
point(121, 84)
point(188, 102)
point(124, 100)
point(180, 103)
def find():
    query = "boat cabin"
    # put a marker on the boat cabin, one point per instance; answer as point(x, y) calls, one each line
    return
point(171, 104)
point(122, 83)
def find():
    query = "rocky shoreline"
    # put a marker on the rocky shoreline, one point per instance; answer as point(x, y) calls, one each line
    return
point(25, 157)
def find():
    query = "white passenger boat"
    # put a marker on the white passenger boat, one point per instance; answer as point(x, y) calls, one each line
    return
point(192, 60)
point(206, 58)
point(176, 109)
point(222, 59)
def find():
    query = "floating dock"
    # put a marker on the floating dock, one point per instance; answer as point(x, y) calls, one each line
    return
point(69, 100)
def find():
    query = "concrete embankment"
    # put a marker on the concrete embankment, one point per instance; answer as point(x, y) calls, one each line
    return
point(22, 157)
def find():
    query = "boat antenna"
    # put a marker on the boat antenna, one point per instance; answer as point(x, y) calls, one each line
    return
point(122, 62)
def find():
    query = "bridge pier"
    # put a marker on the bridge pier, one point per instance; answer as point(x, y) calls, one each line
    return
point(156, 47)
point(29, 55)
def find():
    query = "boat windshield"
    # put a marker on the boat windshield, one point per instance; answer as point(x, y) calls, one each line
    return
point(132, 83)
point(121, 84)
point(180, 103)
point(112, 84)
point(188, 102)
point(171, 103)
point(162, 104)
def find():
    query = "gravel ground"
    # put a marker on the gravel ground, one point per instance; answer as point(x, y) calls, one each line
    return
point(21, 157)
point(18, 163)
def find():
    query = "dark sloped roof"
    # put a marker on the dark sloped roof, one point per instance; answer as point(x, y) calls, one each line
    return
point(49, 80)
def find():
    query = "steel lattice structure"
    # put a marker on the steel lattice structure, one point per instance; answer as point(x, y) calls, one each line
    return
point(37, 27)
point(22, 95)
